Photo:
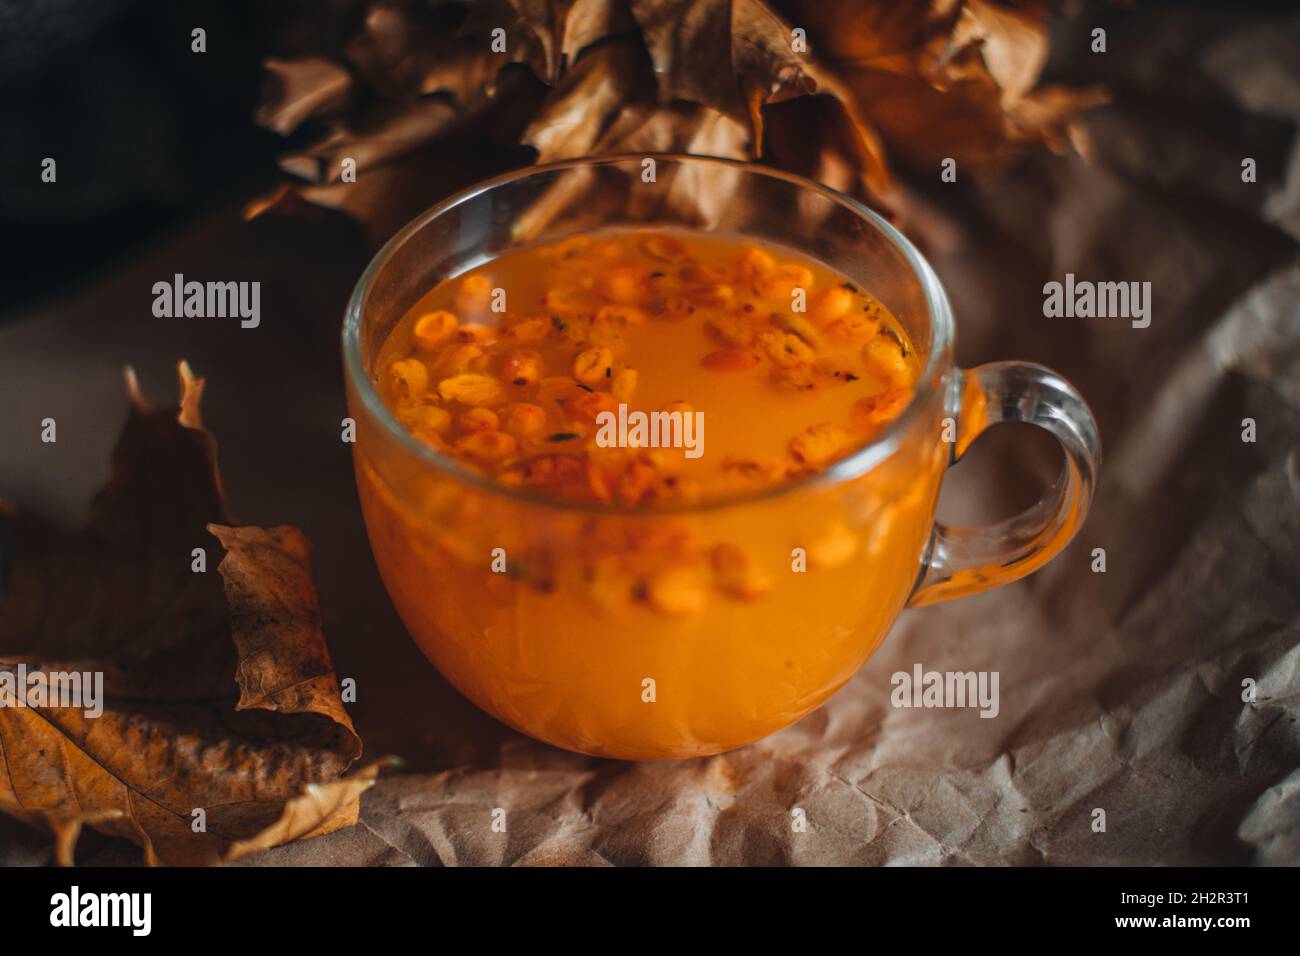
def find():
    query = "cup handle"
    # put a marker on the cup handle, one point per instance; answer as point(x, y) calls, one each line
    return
point(963, 561)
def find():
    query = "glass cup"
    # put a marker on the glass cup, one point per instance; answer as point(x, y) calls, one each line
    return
point(765, 603)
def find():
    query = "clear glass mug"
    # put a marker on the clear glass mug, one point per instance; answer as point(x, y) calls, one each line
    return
point(564, 649)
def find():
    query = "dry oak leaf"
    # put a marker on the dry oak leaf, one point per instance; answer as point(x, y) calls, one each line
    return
point(218, 691)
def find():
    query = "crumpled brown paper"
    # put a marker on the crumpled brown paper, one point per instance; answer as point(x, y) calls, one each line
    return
point(1120, 691)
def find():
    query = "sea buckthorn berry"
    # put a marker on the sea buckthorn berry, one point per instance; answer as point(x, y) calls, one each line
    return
point(524, 420)
point(666, 248)
point(434, 328)
point(778, 286)
point(479, 420)
point(798, 325)
point(623, 384)
point(623, 286)
point(884, 358)
point(607, 249)
point(565, 301)
point(686, 408)
point(557, 388)
point(661, 283)
point(700, 274)
point(408, 378)
point(870, 413)
point(678, 591)
point(607, 585)
point(730, 360)
point(677, 307)
point(472, 389)
point(821, 444)
point(529, 330)
point(759, 470)
point(755, 263)
point(798, 378)
point(715, 296)
point(474, 295)
point(552, 470)
point(587, 405)
point(732, 328)
point(735, 575)
point(428, 418)
point(785, 349)
point(573, 248)
point(522, 367)
point(635, 482)
point(458, 359)
point(833, 547)
point(852, 327)
point(486, 446)
point(608, 334)
point(593, 366)
point(620, 315)
point(474, 332)
point(830, 304)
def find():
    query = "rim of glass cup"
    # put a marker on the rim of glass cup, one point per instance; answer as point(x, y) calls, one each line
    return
point(862, 460)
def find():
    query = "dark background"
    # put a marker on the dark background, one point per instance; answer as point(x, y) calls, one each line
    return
point(148, 135)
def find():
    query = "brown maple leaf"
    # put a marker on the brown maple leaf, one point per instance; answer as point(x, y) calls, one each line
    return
point(218, 690)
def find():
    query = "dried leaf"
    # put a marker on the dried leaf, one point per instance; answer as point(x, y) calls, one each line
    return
point(580, 24)
point(589, 100)
point(1012, 42)
point(381, 136)
point(690, 47)
point(682, 128)
point(406, 50)
point(217, 699)
point(610, 80)
point(948, 78)
point(297, 90)
point(884, 80)
point(320, 809)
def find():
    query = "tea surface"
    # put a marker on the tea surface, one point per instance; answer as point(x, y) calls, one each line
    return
point(644, 367)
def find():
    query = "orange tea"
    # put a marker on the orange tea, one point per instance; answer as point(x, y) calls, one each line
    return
point(630, 378)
